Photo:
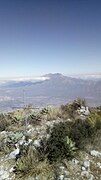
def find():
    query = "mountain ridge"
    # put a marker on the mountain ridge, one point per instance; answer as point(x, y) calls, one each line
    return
point(56, 89)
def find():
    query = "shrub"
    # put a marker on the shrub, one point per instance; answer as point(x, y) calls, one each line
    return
point(4, 123)
point(44, 110)
point(59, 145)
point(81, 132)
point(34, 118)
point(70, 110)
point(30, 165)
point(53, 113)
point(95, 119)
point(4, 146)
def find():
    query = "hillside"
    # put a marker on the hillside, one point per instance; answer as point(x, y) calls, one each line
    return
point(55, 90)
point(51, 143)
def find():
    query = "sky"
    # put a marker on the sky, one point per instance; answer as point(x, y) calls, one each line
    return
point(49, 36)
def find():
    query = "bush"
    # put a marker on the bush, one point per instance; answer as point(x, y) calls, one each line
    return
point(44, 110)
point(30, 165)
point(81, 132)
point(59, 145)
point(53, 113)
point(65, 136)
point(34, 118)
point(71, 109)
point(95, 119)
point(4, 123)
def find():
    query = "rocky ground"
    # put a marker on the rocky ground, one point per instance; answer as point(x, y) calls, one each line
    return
point(85, 164)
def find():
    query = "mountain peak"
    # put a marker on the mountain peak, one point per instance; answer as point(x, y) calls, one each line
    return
point(55, 75)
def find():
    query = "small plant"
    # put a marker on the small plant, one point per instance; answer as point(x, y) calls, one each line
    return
point(34, 118)
point(70, 146)
point(44, 111)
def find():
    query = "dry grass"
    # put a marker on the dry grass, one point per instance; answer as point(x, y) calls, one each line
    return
point(29, 165)
point(53, 113)
point(96, 171)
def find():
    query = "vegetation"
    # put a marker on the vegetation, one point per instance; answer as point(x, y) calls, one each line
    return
point(53, 113)
point(70, 110)
point(29, 164)
point(4, 123)
point(57, 145)
point(66, 137)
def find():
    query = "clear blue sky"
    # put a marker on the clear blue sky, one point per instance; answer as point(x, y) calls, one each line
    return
point(48, 36)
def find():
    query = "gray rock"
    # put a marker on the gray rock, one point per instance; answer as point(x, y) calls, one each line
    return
point(75, 161)
point(14, 153)
point(66, 173)
point(1, 172)
point(62, 167)
point(85, 173)
point(95, 153)
point(91, 177)
point(86, 164)
point(61, 177)
point(83, 168)
point(36, 143)
point(4, 175)
point(99, 165)
point(11, 170)
point(22, 141)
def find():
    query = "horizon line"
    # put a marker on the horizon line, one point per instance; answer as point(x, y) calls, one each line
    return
point(42, 76)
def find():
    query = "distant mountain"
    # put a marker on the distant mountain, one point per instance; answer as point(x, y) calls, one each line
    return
point(55, 89)
point(88, 76)
point(21, 81)
point(13, 84)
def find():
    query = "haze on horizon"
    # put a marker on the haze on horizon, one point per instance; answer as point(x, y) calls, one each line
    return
point(49, 36)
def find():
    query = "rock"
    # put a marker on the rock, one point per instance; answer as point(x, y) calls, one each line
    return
point(36, 143)
point(14, 153)
point(11, 170)
point(62, 167)
point(91, 177)
point(86, 164)
point(28, 142)
point(22, 141)
point(85, 173)
point(4, 133)
point(4, 175)
point(99, 165)
point(61, 177)
point(66, 173)
point(95, 153)
point(1, 172)
point(83, 168)
point(75, 161)
point(69, 120)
